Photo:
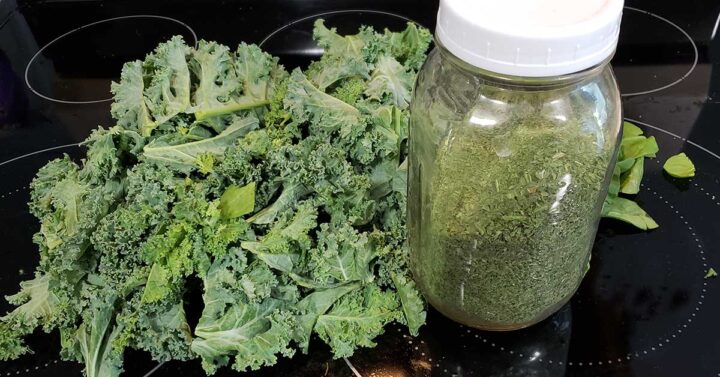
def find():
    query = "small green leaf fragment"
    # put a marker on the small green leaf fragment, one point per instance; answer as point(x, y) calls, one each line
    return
point(157, 286)
point(679, 166)
point(638, 146)
point(711, 273)
point(630, 130)
point(205, 163)
point(614, 188)
point(237, 201)
point(630, 181)
point(625, 165)
point(628, 211)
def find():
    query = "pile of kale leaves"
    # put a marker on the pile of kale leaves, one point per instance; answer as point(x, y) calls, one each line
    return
point(283, 193)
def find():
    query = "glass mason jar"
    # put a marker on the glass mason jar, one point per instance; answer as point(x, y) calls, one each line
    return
point(507, 178)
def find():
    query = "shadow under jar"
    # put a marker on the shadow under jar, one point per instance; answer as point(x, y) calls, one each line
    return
point(507, 178)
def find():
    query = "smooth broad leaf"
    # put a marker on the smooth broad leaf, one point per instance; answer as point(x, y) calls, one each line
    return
point(630, 180)
point(625, 165)
point(630, 130)
point(237, 201)
point(679, 166)
point(614, 187)
point(638, 146)
point(158, 284)
point(628, 211)
point(185, 156)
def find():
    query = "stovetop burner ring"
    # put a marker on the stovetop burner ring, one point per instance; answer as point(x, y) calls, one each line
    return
point(684, 76)
point(38, 152)
point(40, 51)
point(659, 343)
point(694, 144)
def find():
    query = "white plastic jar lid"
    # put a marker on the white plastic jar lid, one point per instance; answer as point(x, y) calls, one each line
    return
point(530, 38)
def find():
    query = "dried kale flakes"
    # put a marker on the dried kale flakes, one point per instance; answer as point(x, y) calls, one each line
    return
point(513, 220)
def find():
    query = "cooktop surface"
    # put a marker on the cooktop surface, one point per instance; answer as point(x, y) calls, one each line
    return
point(644, 309)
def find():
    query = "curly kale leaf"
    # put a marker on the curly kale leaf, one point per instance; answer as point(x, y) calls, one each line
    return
point(185, 157)
point(180, 90)
point(36, 305)
point(129, 106)
point(343, 254)
point(356, 319)
point(308, 103)
point(412, 302)
point(94, 340)
point(230, 82)
point(392, 81)
point(241, 318)
point(312, 306)
point(159, 328)
point(168, 93)
point(284, 193)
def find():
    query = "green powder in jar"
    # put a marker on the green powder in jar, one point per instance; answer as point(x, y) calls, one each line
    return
point(514, 215)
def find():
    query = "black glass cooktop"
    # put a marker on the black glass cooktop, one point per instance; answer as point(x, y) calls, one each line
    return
point(645, 308)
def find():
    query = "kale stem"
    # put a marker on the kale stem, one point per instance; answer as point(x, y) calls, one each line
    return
point(227, 109)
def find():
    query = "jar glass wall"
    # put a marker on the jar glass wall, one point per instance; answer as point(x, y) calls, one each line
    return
point(507, 177)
